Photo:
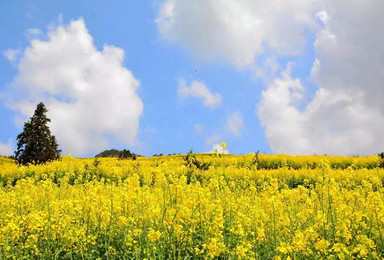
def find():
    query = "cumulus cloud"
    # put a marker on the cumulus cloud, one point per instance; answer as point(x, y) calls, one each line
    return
point(6, 148)
point(91, 97)
point(332, 123)
point(236, 31)
point(200, 91)
point(350, 51)
point(346, 113)
point(235, 124)
point(11, 54)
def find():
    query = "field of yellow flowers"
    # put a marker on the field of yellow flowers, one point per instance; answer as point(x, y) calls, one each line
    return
point(194, 207)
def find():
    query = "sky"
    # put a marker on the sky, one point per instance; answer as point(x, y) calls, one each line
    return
point(167, 76)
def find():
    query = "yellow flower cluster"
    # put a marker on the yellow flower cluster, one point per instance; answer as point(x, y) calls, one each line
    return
point(164, 208)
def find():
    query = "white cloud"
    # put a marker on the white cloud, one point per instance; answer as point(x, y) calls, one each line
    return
point(6, 149)
point(11, 54)
point(91, 97)
point(346, 114)
point(199, 90)
point(213, 139)
point(32, 33)
point(332, 123)
point(235, 124)
point(236, 31)
point(350, 51)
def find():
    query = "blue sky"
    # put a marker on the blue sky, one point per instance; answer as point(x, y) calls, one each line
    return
point(278, 87)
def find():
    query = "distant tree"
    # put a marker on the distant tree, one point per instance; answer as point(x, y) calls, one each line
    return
point(381, 155)
point(126, 154)
point(36, 145)
point(122, 155)
point(109, 153)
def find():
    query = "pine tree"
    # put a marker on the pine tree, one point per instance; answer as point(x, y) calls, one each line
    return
point(36, 145)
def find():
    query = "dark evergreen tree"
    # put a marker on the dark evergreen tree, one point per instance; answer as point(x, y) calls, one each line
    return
point(126, 154)
point(36, 145)
point(109, 153)
point(122, 155)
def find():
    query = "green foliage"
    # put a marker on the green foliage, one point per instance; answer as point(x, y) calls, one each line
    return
point(36, 145)
point(381, 155)
point(191, 162)
point(126, 154)
point(109, 153)
point(256, 159)
point(122, 155)
point(96, 162)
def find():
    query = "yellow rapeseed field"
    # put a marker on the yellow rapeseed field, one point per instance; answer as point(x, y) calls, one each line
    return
point(201, 207)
